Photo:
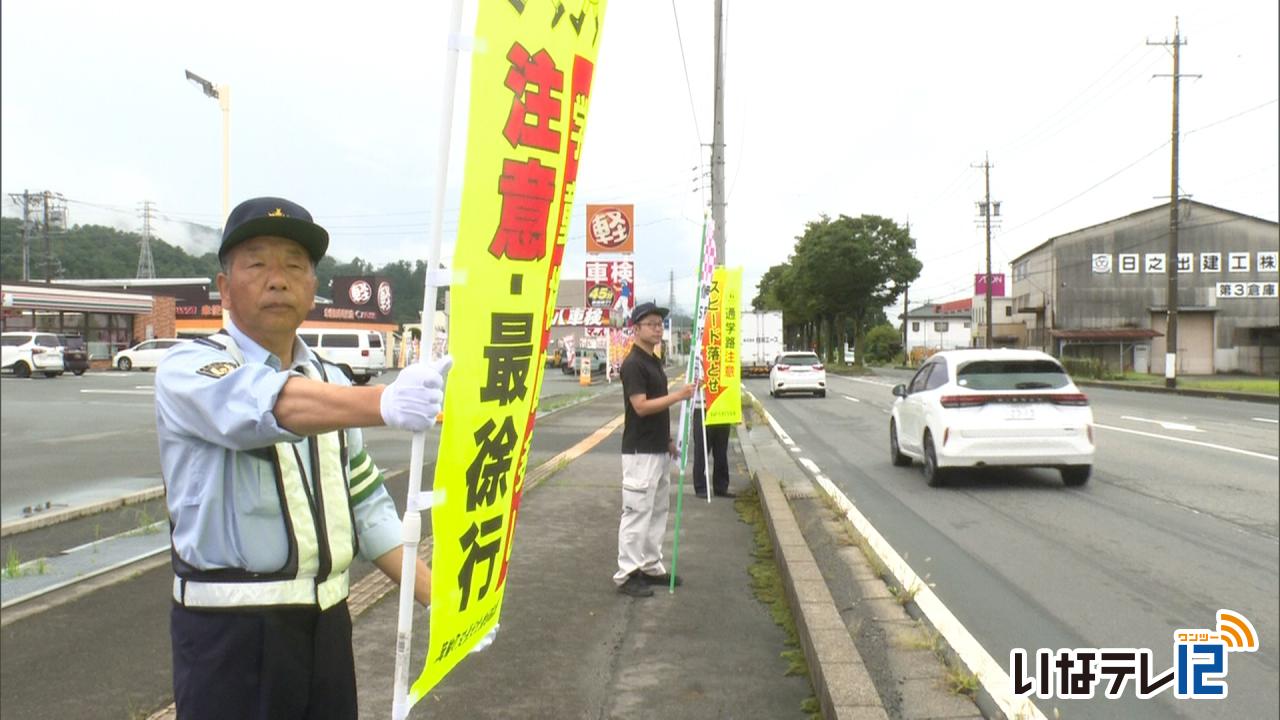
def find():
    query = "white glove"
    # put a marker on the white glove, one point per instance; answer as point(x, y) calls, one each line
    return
point(414, 400)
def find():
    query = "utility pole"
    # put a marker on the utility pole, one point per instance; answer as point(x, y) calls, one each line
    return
point(671, 305)
point(25, 201)
point(986, 208)
point(1171, 266)
point(146, 265)
point(48, 252)
point(717, 140)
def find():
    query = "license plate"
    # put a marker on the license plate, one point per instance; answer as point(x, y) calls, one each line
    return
point(1020, 412)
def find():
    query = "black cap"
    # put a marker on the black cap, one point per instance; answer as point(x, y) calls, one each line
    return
point(277, 217)
point(647, 308)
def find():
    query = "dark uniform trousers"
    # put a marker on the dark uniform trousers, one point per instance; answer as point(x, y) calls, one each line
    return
point(263, 664)
point(718, 440)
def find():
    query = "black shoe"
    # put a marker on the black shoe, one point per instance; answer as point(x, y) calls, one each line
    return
point(726, 494)
point(635, 586)
point(663, 579)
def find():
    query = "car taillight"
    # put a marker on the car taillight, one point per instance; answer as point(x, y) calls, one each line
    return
point(963, 401)
point(782, 368)
point(1077, 399)
point(817, 367)
point(364, 353)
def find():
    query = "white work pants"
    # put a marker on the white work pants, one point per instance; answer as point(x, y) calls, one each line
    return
point(646, 495)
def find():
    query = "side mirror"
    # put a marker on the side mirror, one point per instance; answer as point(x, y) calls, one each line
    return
point(900, 390)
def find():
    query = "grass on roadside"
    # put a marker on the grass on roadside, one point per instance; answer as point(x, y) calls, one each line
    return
point(766, 584)
point(1225, 383)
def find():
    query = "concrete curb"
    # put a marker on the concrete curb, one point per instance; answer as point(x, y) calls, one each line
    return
point(841, 682)
point(35, 522)
point(1189, 392)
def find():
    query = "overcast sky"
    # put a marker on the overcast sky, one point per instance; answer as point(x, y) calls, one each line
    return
point(831, 107)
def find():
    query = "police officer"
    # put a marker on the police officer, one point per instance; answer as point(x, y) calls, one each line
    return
point(269, 488)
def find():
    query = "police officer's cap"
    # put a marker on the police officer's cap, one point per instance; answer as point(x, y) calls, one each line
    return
point(276, 217)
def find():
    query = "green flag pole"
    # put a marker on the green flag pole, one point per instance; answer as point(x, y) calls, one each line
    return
point(692, 375)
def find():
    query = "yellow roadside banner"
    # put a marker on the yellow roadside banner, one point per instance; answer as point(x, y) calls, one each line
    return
point(721, 353)
point(531, 78)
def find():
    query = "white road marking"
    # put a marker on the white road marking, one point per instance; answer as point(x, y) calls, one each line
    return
point(868, 382)
point(989, 672)
point(1215, 446)
point(1268, 420)
point(851, 399)
point(1166, 424)
point(118, 392)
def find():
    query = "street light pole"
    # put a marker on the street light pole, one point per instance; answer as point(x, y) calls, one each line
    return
point(221, 93)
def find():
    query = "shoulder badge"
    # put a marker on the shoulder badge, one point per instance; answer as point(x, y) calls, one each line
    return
point(217, 370)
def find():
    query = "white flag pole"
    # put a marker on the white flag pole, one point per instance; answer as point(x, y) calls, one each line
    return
point(411, 528)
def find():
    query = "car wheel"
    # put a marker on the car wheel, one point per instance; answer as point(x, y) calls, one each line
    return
point(21, 369)
point(773, 393)
point(79, 373)
point(124, 364)
point(933, 474)
point(52, 374)
point(895, 452)
point(360, 379)
point(821, 393)
point(1076, 475)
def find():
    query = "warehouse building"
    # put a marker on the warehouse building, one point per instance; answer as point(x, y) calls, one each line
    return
point(1101, 292)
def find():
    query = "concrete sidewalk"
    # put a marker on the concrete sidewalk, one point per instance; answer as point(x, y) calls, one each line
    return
point(571, 646)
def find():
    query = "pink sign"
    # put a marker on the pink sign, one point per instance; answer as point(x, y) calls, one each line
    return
point(980, 286)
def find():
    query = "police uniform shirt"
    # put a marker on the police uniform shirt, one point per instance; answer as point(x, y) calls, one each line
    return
point(223, 502)
point(642, 374)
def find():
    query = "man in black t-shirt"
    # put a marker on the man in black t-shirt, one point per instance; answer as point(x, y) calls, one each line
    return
point(647, 450)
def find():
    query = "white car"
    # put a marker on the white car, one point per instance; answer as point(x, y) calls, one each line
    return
point(992, 408)
point(359, 353)
point(23, 353)
point(146, 354)
point(797, 372)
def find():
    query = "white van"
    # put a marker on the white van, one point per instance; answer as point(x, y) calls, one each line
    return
point(359, 353)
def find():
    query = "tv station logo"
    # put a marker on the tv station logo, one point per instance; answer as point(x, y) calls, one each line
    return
point(1199, 671)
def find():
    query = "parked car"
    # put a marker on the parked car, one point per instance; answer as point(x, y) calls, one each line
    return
point(359, 353)
point(797, 372)
point(146, 354)
point(75, 354)
point(598, 360)
point(992, 408)
point(24, 353)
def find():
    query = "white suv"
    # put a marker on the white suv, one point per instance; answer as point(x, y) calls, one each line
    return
point(28, 352)
point(987, 408)
point(359, 353)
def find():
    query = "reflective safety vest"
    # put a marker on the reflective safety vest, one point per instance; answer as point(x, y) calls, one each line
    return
point(318, 521)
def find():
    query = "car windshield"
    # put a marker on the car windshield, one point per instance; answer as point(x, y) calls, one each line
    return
point(800, 359)
point(1012, 375)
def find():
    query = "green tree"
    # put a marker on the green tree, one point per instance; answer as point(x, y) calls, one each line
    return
point(844, 271)
point(883, 343)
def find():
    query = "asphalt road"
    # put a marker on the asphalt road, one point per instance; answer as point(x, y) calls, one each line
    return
point(106, 654)
point(71, 441)
point(1165, 533)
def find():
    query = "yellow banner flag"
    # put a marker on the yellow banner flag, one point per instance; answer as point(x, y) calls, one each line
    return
point(530, 88)
point(721, 353)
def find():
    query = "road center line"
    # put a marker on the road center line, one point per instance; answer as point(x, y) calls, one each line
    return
point(117, 392)
point(1215, 446)
point(1267, 420)
point(851, 399)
